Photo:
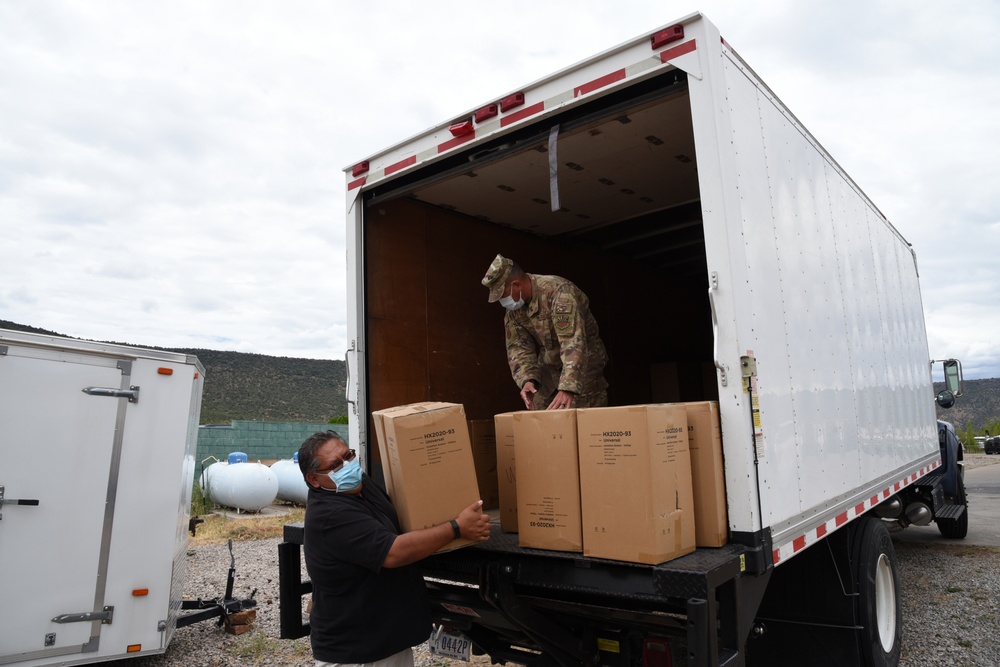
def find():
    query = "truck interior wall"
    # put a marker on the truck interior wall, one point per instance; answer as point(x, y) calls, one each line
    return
point(432, 335)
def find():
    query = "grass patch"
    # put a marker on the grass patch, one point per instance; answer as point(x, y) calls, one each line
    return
point(218, 529)
point(256, 648)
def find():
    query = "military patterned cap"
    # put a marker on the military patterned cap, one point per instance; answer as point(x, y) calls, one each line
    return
point(496, 277)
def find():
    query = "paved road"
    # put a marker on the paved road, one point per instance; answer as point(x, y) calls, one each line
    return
point(983, 486)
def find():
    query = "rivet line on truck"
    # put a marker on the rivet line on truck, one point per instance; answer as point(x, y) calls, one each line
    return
point(721, 247)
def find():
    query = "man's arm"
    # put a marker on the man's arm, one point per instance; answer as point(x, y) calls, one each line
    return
point(419, 544)
point(571, 332)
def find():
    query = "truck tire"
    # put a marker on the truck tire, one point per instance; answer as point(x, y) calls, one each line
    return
point(877, 574)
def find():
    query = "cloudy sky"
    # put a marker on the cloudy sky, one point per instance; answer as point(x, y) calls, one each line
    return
point(171, 172)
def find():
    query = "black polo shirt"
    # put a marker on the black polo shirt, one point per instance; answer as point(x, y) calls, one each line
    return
point(361, 611)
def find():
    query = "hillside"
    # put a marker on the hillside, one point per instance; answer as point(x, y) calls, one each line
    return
point(258, 387)
point(979, 403)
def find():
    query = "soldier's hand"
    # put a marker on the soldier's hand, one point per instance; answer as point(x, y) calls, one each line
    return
point(528, 392)
point(474, 523)
point(562, 401)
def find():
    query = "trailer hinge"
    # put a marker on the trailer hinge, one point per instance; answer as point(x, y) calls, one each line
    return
point(104, 617)
point(3, 350)
point(748, 366)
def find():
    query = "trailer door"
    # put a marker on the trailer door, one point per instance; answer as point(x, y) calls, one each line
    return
point(59, 446)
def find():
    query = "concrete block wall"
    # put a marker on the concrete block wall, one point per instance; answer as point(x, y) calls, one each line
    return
point(261, 441)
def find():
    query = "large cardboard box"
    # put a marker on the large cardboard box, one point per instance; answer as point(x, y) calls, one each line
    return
point(506, 474)
point(635, 483)
point(428, 458)
point(708, 474)
point(548, 480)
point(484, 454)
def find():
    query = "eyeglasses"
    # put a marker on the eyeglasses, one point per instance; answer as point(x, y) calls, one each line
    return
point(350, 456)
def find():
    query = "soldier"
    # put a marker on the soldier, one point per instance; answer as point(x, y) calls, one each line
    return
point(554, 347)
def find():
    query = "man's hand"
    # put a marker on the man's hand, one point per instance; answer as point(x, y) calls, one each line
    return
point(528, 392)
point(563, 400)
point(474, 523)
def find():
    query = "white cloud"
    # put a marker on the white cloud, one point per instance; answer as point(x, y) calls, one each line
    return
point(170, 174)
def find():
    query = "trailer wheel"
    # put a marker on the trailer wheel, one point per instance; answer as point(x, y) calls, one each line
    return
point(877, 576)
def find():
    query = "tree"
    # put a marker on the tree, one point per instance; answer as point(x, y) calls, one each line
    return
point(967, 436)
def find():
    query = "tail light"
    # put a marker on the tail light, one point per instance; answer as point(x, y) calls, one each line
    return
point(656, 653)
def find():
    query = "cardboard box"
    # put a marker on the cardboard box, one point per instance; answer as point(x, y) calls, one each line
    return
point(506, 474)
point(635, 483)
point(708, 474)
point(428, 458)
point(546, 459)
point(482, 432)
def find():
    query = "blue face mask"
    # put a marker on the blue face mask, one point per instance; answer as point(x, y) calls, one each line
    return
point(348, 478)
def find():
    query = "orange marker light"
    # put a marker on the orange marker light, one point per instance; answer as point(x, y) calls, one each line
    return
point(139, 592)
point(165, 371)
point(134, 648)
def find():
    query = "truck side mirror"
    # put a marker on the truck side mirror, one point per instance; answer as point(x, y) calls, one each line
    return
point(953, 376)
point(945, 399)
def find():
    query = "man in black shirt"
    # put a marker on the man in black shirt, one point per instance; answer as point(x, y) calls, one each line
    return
point(369, 600)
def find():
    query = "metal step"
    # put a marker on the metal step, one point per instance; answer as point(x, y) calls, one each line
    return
point(949, 512)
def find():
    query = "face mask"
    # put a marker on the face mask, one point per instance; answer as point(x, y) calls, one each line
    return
point(509, 303)
point(348, 478)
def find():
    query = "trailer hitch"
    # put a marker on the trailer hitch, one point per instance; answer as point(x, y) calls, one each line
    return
point(219, 608)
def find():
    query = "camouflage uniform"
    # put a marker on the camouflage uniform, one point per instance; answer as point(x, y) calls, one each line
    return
point(555, 340)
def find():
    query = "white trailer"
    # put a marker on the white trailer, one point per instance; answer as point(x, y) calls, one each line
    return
point(716, 237)
point(97, 447)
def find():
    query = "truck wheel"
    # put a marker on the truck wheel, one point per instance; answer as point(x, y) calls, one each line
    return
point(877, 576)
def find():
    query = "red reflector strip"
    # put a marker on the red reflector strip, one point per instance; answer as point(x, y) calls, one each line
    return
point(402, 164)
point(522, 114)
point(359, 168)
point(457, 141)
point(799, 543)
point(677, 51)
point(598, 83)
point(139, 592)
point(357, 184)
point(133, 648)
point(165, 371)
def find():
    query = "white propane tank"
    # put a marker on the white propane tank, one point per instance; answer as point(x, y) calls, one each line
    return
point(242, 485)
point(205, 480)
point(292, 485)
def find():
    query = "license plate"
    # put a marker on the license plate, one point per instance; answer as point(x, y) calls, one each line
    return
point(451, 645)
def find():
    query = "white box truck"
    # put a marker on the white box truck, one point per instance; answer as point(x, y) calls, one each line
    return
point(718, 240)
point(97, 447)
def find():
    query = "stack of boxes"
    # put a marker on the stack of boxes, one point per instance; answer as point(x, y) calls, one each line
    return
point(640, 483)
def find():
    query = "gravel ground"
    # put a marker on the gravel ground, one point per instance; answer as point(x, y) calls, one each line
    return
point(950, 592)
